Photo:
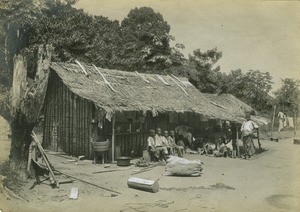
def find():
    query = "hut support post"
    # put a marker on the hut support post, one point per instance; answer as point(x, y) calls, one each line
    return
point(273, 120)
point(237, 144)
point(295, 123)
point(113, 138)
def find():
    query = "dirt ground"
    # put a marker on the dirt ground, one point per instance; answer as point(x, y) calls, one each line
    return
point(267, 182)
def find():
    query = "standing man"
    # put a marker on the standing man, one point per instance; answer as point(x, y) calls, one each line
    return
point(247, 129)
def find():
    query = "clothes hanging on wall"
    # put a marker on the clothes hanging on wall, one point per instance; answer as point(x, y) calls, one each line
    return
point(109, 116)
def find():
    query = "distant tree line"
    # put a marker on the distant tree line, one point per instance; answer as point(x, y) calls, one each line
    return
point(140, 42)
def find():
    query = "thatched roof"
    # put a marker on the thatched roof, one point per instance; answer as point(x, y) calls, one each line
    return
point(135, 91)
point(146, 92)
point(232, 105)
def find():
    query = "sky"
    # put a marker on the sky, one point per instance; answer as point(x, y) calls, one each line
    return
point(252, 35)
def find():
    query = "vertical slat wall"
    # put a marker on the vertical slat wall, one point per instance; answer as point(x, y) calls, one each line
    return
point(72, 115)
point(128, 142)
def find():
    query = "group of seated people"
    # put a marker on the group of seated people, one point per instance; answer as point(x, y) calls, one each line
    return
point(218, 149)
point(160, 145)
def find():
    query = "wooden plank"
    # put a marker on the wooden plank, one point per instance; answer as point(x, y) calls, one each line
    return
point(55, 182)
point(51, 119)
point(52, 115)
point(93, 184)
point(113, 138)
point(139, 148)
point(72, 122)
point(143, 184)
point(58, 115)
point(86, 131)
point(48, 121)
point(64, 118)
point(45, 120)
point(89, 115)
point(134, 146)
point(61, 140)
point(84, 127)
point(75, 124)
point(55, 117)
point(79, 128)
point(63, 126)
point(69, 122)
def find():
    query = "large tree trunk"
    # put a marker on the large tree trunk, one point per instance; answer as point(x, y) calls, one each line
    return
point(27, 102)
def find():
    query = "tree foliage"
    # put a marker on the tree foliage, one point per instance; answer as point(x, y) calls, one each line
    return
point(75, 35)
point(146, 41)
point(252, 87)
point(288, 96)
point(205, 75)
point(141, 42)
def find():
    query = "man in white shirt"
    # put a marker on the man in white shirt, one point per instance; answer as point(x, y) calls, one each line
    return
point(247, 129)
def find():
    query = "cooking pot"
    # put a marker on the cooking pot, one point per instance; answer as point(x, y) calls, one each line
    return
point(123, 161)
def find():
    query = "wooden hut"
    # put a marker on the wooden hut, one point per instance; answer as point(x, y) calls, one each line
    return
point(85, 103)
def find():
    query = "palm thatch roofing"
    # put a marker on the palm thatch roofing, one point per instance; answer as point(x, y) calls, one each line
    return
point(235, 107)
point(133, 91)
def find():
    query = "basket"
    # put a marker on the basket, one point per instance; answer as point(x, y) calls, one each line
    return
point(101, 146)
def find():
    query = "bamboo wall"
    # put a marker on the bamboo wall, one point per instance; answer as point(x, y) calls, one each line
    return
point(67, 120)
point(130, 143)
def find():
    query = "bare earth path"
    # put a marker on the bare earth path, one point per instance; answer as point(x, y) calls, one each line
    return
point(267, 182)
